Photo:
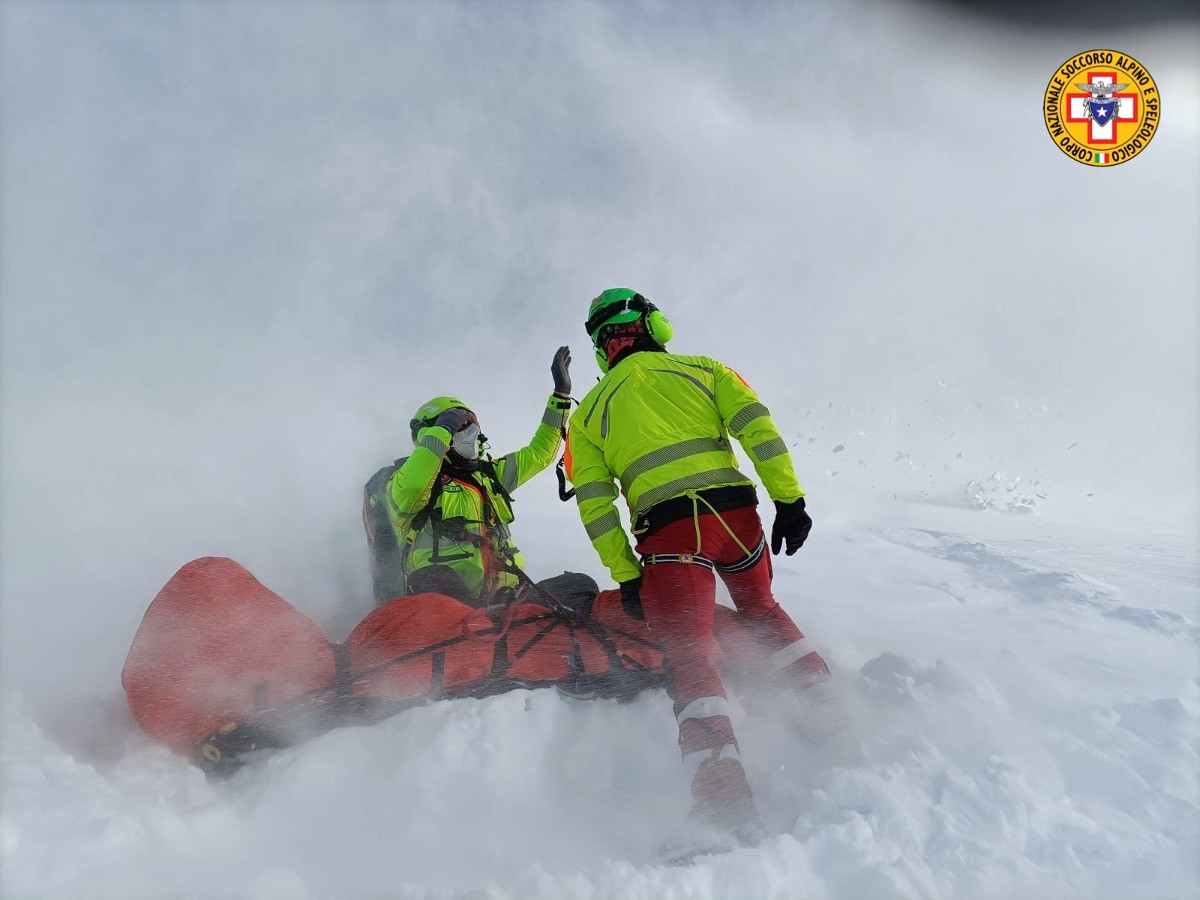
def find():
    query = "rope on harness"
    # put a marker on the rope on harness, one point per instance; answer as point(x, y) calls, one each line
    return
point(748, 561)
point(697, 499)
point(564, 493)
point(560, 468)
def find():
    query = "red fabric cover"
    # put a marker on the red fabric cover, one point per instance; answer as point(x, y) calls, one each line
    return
point(214, 637)
point(539, 651)
point(211, 638)
point(411, 623)
point(627, 632)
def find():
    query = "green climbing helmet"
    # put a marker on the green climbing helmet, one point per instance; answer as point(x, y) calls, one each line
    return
point(431, 409)
point(619, 306)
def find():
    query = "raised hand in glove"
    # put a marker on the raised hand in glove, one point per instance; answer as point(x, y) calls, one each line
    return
point(454, 419)
point(792, 524)
point(560, 369)
point(631, 598)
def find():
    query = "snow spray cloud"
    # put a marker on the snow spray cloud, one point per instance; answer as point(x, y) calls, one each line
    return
point(242, 242)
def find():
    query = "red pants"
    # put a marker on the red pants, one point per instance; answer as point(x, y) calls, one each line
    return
point(679, 597)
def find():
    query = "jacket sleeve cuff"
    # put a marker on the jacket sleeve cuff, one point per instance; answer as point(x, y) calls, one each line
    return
point(557, 410)
point(435, 439)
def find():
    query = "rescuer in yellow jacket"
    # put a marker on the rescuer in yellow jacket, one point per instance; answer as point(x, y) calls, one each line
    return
point(438, 520)
point(657, 427)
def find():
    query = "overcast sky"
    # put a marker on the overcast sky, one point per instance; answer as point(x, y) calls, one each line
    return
point(242, 242)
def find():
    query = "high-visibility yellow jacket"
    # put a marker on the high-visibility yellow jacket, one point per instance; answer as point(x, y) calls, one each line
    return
point(659, 424)
point(466, 528)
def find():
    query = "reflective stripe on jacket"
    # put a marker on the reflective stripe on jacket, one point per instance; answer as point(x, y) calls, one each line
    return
point(659, 424)
point(466, 503)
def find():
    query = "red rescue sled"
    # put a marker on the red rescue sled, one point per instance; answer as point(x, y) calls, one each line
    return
point(222, 666)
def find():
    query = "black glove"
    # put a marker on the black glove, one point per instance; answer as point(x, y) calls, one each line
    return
point(560, 369)
point(453, 419)
point(792, 523)
point(631, 598)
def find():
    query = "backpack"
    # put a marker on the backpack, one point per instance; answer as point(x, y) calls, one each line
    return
point(387, 556)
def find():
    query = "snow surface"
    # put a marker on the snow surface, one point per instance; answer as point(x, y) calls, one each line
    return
point(241, 245)
point(1012, 717)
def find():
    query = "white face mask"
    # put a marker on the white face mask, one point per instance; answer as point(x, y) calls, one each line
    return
point(466, 442)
